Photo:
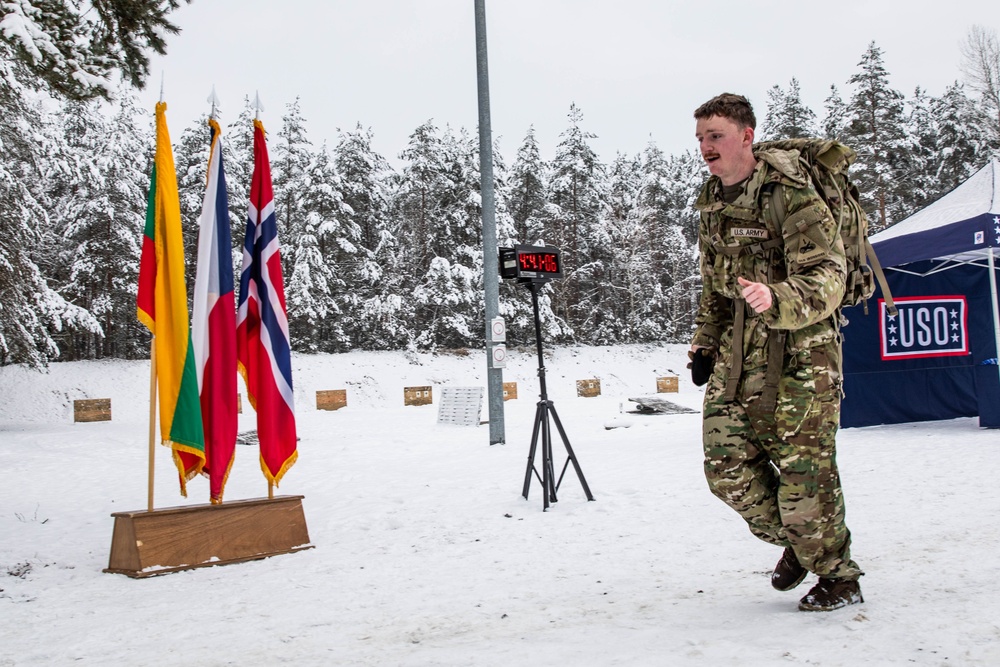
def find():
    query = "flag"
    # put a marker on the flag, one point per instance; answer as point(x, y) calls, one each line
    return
point(213, 326)
point(161, 305)
point(262, 343)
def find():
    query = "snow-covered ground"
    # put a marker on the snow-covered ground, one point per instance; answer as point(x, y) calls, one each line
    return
point(426, 553)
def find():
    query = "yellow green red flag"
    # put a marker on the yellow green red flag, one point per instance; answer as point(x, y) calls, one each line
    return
point(161, 305)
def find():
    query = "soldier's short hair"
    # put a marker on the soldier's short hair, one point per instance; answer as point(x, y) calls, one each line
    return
point(728, 105)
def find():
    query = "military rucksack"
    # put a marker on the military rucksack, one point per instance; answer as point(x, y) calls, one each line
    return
point(828, 163)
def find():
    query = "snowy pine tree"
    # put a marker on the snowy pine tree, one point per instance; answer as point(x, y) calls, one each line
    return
point(876, 130)
point(963, 138)
point(308, 295)
point(576, 198)
point(669, 221)
point(373, 277)
point(31, 312)
point(237, 155)
point(102, 233)
point(191, 163)
point(442, 186)
point(339, 244)
point(835, 121)
point(922, 140)
point(787, 116)
point(618, 313)
point(527, 192)
point(76, 47)
point(290, 159)
point(71, 175)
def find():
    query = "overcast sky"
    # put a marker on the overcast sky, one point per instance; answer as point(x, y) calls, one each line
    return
point(636, 68)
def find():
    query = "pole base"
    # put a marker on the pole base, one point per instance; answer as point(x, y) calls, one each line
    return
point(151, 543)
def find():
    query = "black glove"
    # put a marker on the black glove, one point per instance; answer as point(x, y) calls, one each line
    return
point(701, 365)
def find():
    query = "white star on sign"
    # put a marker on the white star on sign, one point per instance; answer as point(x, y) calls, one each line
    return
point(954, 325)
point(892, 329)
point(954, 338)
point(954, 313)
point(892, 318)
point(892, 341)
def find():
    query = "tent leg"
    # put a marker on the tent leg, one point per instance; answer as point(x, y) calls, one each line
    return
point(996, 313)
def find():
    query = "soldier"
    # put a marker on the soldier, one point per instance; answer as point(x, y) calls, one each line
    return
point(767, 343)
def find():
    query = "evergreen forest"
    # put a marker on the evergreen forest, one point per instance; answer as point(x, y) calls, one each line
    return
point(378, 257)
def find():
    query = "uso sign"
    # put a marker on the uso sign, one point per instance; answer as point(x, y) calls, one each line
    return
point(925, 326)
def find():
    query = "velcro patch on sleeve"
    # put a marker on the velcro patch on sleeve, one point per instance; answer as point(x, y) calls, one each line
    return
point(809, 251)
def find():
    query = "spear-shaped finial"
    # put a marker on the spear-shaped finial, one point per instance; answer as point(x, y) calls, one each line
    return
point(257, 105)
point(213, 99)
point(161, 86)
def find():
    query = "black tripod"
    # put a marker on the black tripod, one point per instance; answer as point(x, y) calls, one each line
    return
point(545, 407)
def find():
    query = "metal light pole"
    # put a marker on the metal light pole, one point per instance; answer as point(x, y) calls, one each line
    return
point(491, 272)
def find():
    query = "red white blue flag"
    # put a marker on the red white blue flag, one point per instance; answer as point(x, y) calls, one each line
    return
point(213, 324)
point(264, 350)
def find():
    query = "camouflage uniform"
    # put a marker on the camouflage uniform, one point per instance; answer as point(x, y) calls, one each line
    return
point(775, 464)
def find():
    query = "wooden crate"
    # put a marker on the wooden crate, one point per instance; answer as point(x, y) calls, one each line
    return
point(588, 388)
point(331, 399)
point(667, 385)
point(145, 544)
point(509, 391)
point(92, 410)
point(417, 395)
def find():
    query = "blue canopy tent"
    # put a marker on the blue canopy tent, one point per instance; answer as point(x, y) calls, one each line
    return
point(937, 358)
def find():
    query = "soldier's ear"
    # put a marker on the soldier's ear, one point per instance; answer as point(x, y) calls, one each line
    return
point(748, 134)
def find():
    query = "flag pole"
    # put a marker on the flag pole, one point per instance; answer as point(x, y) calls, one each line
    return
point(152, 421)
point(213, 99)
point(258, 107)
point(151, 474)
point(152, 387)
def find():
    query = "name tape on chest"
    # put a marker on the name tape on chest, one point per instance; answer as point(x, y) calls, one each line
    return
point(748, 233)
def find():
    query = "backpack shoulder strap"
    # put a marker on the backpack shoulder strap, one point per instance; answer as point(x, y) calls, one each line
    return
point(890, 305)
point(776, 208)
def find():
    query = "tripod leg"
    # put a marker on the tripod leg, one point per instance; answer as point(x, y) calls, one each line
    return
point(531, 452)
point(569, 452)
point(548, 474)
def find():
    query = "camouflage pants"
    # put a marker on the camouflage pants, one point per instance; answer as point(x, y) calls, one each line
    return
point(778, 469)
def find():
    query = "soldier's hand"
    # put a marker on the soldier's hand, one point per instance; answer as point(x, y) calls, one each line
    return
point(702, 363)
point(758, 295)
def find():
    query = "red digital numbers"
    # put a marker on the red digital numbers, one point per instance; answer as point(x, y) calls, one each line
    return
point(540, 262)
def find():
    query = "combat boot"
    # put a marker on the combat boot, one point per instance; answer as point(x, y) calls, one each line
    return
point(788, 573)
point(830, 594)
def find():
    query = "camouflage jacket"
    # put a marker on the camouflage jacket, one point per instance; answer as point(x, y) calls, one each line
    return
point(806, 271)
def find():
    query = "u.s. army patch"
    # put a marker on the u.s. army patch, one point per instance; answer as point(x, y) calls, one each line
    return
point(748, 233)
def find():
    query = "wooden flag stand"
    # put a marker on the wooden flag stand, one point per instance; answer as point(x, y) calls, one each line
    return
point(149, 543)
point(159, 541)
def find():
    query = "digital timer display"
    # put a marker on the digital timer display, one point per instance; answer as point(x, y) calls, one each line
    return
point(538, 262)
point(530, 263)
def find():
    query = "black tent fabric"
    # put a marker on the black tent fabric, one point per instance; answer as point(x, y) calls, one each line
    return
point(937, 359)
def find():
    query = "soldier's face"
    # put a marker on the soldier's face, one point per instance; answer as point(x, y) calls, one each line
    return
point(725, 147)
